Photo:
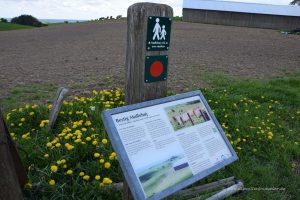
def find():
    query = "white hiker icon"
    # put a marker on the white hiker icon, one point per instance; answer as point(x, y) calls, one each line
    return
point(163, 33)
point(156, 30)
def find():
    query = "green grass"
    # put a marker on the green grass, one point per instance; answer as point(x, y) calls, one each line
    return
point(260, 118)
point(249, 110)
point(30, 93)
point(10, 26)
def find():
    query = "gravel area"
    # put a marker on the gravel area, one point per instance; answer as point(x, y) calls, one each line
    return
point(84, 56)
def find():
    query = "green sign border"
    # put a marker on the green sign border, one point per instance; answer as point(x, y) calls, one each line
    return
point(148, 61)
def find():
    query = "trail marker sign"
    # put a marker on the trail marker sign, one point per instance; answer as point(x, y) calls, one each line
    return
point(158, 33)
point(156, 68)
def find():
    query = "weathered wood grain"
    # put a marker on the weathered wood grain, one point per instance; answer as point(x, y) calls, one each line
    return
point(136, 90)
point(137, 16)
point(9, 181)
point(60, 96)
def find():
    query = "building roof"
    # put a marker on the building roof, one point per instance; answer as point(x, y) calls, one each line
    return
point(285, 10)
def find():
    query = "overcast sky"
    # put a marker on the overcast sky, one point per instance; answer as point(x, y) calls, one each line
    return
point(88, 9)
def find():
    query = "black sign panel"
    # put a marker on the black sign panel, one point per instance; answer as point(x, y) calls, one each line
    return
point(158, 33)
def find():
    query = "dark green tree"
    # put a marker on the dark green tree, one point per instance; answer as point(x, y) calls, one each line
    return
point(3, 20)
point(295, 2)
point(27, 20)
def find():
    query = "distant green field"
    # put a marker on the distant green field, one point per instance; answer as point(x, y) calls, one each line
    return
point(10, 26)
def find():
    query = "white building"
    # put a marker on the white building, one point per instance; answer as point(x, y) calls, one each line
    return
point(242, 14)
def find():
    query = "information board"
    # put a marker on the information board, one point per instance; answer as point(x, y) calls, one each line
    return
point(166, 144)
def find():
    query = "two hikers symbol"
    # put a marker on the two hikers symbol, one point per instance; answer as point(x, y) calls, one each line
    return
point(159, 31)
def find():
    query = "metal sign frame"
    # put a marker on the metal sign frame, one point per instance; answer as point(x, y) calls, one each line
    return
point(123, 157)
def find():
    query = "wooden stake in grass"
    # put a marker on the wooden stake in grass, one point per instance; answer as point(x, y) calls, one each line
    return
point(60, 96)
point(136, 88)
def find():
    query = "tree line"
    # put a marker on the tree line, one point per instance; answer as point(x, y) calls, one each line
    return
point(27, 20)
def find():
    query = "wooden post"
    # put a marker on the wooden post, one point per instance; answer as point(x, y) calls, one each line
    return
point(60, 96)
point(136, 89)
point(9, 181)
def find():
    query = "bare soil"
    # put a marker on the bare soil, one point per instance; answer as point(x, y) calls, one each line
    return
point(87, 56)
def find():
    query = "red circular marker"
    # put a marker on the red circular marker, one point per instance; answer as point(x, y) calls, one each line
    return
point(156, 69)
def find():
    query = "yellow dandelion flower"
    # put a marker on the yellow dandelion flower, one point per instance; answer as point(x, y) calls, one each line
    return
point(57, 145)
point(70, 172)
point(270, 137)
point(101, 161)
point(107, 180)
point(88, 123)
point(107, 165)
point(84, 129)
point(97, 177)
point(69, 148)
point(86, 177)
point(113, 154)
point(111, 157)
point(28, 186)
point(54, 168)
point(96, 155)
point(95, 92)
point(104, 141)
point(95, 142)
point(77, 140)
point(49, 144)
point(81, 174)
point(52, 182)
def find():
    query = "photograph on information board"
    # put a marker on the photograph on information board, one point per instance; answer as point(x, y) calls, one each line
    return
point(162, 174)
point(187, 114)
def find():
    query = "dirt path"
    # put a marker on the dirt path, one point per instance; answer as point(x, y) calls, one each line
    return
point(84, 55)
